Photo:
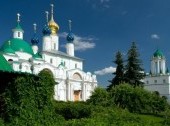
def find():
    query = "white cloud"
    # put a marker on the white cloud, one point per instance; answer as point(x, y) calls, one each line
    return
point(155, 36)
point(104, 4)
point(103, 1)
point(105, 71)
point(81, 43)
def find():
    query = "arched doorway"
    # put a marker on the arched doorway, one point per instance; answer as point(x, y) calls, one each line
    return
point(77, 92)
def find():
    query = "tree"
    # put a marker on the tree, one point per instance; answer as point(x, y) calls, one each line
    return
point(119, 74)
point(99, 97)
point(133, 70)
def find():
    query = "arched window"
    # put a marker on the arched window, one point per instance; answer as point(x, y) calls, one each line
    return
point(77, 76)
point(10, 60)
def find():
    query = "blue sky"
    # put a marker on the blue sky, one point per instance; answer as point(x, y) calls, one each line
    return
point(101, 28)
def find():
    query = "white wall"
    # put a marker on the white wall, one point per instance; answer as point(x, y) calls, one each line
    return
point(158, 83)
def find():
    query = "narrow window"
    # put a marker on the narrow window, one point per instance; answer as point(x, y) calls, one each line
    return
point(164, 81)
point(155, 81)
point(51, 60)
point(19, 34)
point(76, 65)
point(54, 46)
point(147, 82)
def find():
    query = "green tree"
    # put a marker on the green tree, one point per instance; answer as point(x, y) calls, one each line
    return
point(99, 97)
point(29, 101)
point(119, 74)
point(133, 70)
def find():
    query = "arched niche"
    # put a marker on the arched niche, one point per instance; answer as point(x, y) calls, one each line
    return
point(77, 76)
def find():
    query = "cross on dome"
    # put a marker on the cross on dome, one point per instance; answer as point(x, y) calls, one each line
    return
point(35, 27)
point(47, 13)
point(9, 42)
point(18, 17)
point(69, 21)
point(52, 11)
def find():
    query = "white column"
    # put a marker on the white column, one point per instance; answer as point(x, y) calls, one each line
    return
point(68, 91)
point(71, 93)
point(158, 70)
point(46, 43)
point(55, 42)
point(83, 91)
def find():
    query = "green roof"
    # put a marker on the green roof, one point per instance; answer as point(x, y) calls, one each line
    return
point(17, 45)
point(18, 27)
point(158, 53)
point(9, 49)
point(4, 65)
point(37, 55)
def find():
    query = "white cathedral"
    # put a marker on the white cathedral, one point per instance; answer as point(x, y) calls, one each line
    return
point(159, 78)
point(72, 83)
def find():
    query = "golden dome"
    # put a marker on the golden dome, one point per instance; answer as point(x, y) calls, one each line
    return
point(53, 26)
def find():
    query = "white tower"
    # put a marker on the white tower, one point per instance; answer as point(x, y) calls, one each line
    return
point(70, 44)
point(18, 32)
point(54, 29)
point(35, 40)
point(46, 36)
point(158, 63)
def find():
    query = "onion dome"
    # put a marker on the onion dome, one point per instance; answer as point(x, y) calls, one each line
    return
point(70, 37)
point(46, 30)
point(17, 45)
point(158, 53)
point(4, 65)
point(52, 24)
point(35, 39)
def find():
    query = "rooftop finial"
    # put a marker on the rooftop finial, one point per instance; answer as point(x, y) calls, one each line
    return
point(69, 21)
point(18, 17)
point(9, 43)
point(35, 27)
point(52, 11)
point(47, 13)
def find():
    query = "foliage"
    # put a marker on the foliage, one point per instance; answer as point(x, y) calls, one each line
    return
point(99, 97)
point(119, 74)
point(133, 70)
point(28, 100)
point(166, 114)
point(73, 110)
point(137, 99)
point(29, 97)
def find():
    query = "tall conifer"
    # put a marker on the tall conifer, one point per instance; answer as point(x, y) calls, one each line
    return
point(133, 70)
point(119, 71)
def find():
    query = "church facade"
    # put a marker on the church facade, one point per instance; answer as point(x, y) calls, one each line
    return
point(72, 83)
point(159, 78)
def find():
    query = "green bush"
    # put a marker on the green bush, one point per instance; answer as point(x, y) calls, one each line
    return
point(73, 110)
point(137, 99)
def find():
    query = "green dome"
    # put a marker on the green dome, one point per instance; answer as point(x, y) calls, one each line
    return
point(17, 45)
point(4, 65)
point(9, 49)
point(158, 53)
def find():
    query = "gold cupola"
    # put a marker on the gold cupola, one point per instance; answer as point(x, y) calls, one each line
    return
point(52, 24)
